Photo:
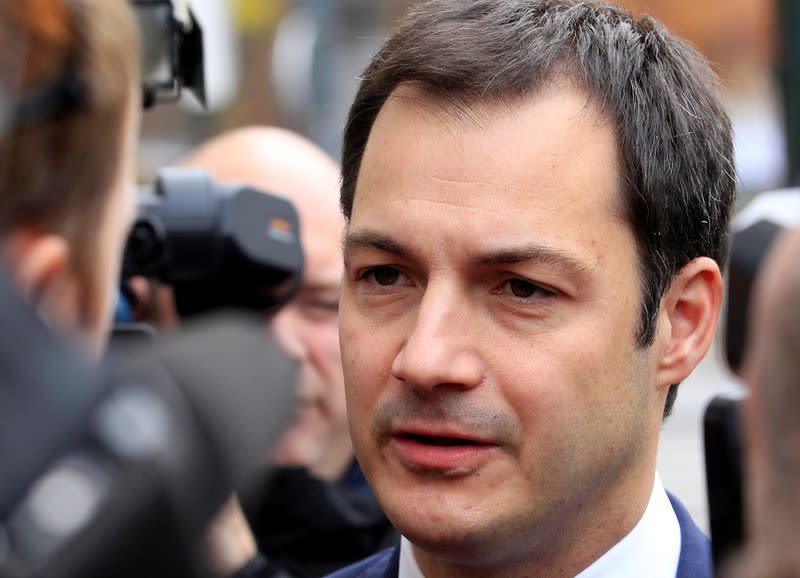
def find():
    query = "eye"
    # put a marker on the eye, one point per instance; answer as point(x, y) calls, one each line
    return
point(522, 289)
point(382, 275)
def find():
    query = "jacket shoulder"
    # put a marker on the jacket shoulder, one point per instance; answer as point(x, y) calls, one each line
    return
point(381, 565)
point(695, 557)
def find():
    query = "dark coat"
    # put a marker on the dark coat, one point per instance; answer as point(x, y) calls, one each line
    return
point(308, 527)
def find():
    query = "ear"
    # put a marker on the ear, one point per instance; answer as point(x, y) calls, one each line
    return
point(38, 262)
point(688, 319)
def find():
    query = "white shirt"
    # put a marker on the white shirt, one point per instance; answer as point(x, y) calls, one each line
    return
point(654, 543)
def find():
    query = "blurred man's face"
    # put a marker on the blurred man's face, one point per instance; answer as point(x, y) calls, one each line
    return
point(288, 165)
point(496, 397)
point(308, 328)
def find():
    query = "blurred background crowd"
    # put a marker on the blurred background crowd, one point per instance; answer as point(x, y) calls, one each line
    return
point(295, 63)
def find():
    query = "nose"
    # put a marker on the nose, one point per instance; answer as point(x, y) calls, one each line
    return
point(441, 347)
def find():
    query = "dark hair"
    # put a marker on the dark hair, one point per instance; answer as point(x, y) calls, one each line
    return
point(674, 138)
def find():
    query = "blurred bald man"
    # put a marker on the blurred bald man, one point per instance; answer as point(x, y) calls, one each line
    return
point(317, 514)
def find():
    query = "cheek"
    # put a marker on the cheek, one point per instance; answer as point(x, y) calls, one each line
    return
point(362, 360)
point(328, 358)
point(356, 373)
point(540, 393)
point(349, 343)
point(565, 433)
point(324, 339)
point(559, 390)
point(368, 353)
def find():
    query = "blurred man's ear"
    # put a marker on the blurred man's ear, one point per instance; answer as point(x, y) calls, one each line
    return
point(39, 263)
point(688, 319)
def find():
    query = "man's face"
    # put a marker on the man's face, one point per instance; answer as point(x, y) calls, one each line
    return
point(495, 394)
point(308, 328)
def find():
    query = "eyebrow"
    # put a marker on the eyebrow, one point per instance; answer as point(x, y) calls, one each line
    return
point(535, 253)
point(368, 239)
point(524, 253)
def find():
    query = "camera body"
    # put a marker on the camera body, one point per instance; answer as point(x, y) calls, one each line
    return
point(172, 51)
point(216, 245)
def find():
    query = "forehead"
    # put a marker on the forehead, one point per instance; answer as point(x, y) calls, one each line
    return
point(321, 225)
point(546, 166)
point(312, 192)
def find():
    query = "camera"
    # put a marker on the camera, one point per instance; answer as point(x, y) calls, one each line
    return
point(217, 245)
point(172, 51)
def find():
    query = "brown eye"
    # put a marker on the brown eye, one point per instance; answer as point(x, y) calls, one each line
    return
point(522, 289)
point(528, 290)
point(385, 275)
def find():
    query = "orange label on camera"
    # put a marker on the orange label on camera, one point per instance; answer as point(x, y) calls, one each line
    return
point(280, 225)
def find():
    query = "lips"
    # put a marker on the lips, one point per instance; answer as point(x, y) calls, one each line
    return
point(443, 451)
point(438, 440)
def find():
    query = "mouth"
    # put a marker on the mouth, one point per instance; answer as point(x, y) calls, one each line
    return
point(445, 453)
point(445, 441)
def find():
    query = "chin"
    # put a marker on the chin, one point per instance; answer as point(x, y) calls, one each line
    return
point(454, 543)
point(446, 528)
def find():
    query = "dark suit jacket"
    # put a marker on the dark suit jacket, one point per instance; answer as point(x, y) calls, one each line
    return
point(694, 561)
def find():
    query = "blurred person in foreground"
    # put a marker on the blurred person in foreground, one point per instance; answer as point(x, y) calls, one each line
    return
point(537, 195)
point(316, 514)
point(68, 157)
point(772, 419)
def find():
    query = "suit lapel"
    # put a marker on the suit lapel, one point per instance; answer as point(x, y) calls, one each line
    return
point(695, 558)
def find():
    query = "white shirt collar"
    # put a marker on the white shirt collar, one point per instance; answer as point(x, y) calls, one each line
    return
point(654, 543)
point(408, 564)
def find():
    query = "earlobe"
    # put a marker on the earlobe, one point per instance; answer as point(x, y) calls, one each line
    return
point(37, 262)
point(691, 306)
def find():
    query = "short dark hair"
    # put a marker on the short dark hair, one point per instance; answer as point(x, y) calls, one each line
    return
point(674, 138)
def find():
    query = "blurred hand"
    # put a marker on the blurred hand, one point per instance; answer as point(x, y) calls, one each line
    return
point(154, 304)
point(230, 541)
